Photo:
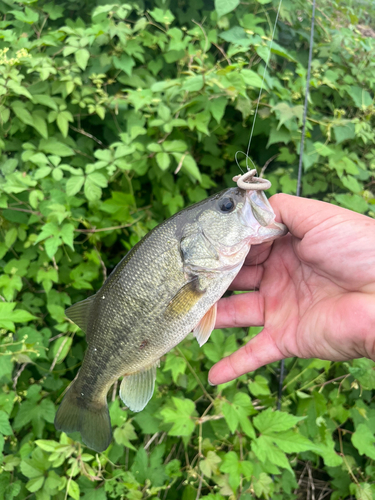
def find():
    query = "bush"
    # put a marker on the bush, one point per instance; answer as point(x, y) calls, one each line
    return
point(113, 118)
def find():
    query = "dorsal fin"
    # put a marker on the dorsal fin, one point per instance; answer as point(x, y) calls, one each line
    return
point(80, 312)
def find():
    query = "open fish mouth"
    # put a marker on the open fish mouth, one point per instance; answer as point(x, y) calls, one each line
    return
point(258, 214)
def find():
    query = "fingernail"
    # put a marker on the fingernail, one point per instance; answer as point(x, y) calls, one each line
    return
point(213, 385)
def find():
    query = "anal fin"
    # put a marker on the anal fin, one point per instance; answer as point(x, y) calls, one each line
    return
point(204, 328)
point(137, 389)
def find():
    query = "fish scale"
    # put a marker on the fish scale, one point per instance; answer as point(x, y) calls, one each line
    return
point(165, 287)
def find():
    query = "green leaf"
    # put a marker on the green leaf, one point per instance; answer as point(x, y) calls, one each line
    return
point(5, 427)
point(175, 146)
point(236, 35)
point(286, 113)
point(361, 97)
point(364, 440)
point(125, 63)
point(10, 237)
point(35, 484)
point(353, 202)
point(209, 465)
point(73, 489)
point(189, 164)
point(28, 16)
point(74, 184)
point(55, 147)
point(259, 387)
point(82, 57)
point(46, 100)
point(47, 445)
point(67, 235)
point(162, 16)
point(266, 450)
point(183, 425)
point(124, 434)
point(176, 364)
point(217, 108)
point(98, 179)
point(193, 84)
point(40, 125)
point(231, 465)
point(230, 416)
point(60, 349)
point(269, 421)
point(22, 113)
point(344, 132)
point(92, 191)
point(293, 442)
point(9, 316)
point(163, 160)
point(223, 7)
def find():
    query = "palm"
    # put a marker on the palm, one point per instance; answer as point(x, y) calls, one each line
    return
point(316, 293)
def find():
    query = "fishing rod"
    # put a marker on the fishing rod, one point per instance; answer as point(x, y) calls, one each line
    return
point(249, 179)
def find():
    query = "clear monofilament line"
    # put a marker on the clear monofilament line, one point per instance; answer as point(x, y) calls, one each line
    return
point(260, 95)
point(261, 87)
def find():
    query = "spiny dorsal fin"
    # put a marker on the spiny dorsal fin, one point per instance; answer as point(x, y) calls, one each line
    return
point(79, 313)
point(137, 389)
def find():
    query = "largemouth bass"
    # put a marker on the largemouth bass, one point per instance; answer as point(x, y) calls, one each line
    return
point(164, 288)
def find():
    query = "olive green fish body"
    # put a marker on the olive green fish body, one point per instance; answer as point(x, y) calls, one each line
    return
point(165, 287)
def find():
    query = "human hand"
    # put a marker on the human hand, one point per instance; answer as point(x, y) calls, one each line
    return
point(316, 290)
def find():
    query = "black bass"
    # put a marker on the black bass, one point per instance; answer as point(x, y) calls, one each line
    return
point(164, 288)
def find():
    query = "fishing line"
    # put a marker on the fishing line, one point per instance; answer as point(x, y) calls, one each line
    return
point(299, 180)
point(259, 97)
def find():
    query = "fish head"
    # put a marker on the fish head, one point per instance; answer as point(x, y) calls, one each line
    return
point(236, 218)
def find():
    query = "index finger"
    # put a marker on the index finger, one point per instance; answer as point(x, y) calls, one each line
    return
point(301, 215)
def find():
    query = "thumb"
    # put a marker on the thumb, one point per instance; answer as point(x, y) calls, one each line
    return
point(259, 351)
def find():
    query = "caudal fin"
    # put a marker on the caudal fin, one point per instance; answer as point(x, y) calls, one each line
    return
point(90, 418)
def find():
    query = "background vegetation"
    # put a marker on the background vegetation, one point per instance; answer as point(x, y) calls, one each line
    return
point(113, 117)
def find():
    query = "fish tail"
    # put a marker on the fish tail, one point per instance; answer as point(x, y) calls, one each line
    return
point(89, 417)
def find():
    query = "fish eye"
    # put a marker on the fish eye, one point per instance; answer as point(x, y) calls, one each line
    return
point(226, 204)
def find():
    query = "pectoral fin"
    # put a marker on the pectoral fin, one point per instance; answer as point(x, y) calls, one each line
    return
point(185, 298)
point(204, 328)
point(137, 389)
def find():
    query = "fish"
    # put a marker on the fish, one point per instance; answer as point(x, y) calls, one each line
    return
point(167, 286)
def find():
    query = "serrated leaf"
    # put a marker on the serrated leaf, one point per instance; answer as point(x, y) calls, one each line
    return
point(183, 425)
point(176, 364)
point(92, 191)
point(209, 465)
point(269, 421)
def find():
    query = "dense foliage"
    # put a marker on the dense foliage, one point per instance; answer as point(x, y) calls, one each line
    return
point(113, 117)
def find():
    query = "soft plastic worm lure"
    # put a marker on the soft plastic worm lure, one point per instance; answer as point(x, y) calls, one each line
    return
point(248, 180)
